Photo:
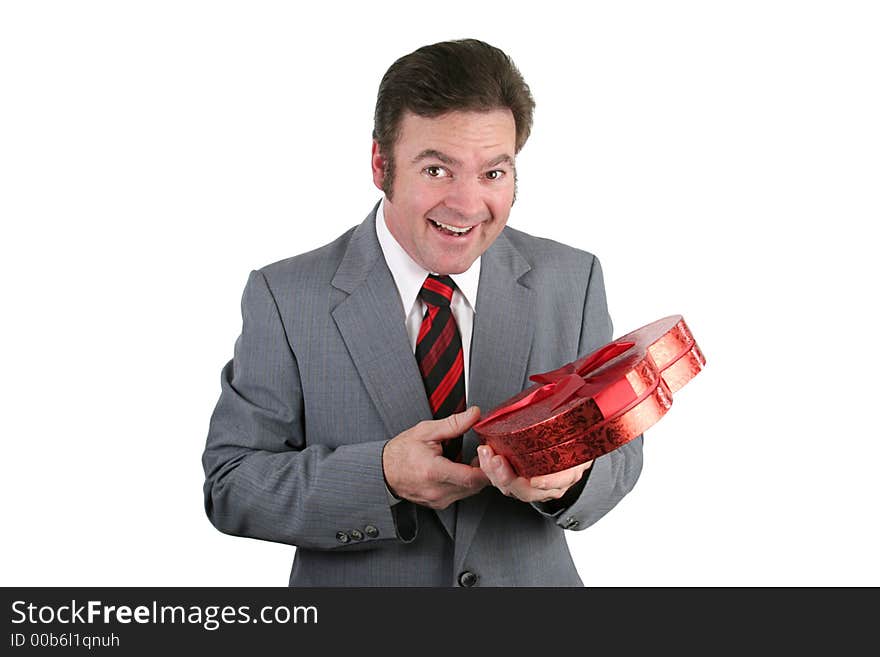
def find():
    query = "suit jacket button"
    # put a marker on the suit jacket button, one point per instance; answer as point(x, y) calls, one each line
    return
point(467, 578)
point(356, 534)
point(342, 537)
point(371, 531)
point(571, 523)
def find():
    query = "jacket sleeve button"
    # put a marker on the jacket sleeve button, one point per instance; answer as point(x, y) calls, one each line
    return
point(467, 579)
point(356, 534)
point(342, 537)
point(371, 531)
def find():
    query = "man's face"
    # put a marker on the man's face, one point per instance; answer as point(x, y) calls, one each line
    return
point(456, 169)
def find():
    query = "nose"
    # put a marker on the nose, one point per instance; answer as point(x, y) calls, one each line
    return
point(466, 197)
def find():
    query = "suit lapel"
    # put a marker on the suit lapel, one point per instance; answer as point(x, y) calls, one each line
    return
point(371, 321)
point(504, 323)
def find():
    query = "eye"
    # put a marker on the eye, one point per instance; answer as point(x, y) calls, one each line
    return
point(435, 171)
point(495, 174)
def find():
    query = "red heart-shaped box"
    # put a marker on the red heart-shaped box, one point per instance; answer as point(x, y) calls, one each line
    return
point(595, 404)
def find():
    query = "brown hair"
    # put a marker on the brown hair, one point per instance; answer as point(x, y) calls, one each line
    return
point(467, 75)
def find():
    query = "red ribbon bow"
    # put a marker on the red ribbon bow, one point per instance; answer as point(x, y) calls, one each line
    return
point(572, 380)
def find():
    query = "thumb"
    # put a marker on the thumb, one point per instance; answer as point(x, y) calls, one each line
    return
point(454, 425)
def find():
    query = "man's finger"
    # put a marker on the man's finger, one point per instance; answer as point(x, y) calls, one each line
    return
point(502, 468)
point(454, 425)
point(556, 480)
point(461, 475)
point(562, 479)
point(496, 468)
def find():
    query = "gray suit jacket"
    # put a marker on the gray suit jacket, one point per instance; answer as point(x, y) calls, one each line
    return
point(323, 375)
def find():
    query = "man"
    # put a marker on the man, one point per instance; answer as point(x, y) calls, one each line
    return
point(339, 424)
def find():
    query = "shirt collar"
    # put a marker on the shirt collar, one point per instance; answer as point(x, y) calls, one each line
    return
point(409, 275)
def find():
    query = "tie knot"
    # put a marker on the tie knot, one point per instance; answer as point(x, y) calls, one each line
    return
point(437, 290)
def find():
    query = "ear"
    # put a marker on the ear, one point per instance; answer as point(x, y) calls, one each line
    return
point(377, 162)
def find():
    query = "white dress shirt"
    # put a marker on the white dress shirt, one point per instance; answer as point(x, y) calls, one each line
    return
point(409, 276)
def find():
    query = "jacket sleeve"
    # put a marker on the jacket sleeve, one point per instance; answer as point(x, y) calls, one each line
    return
point(612, 475)
point(262, 479)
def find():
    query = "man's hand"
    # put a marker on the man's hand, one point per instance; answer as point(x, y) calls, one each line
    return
point(537, 489)
point(416, 470)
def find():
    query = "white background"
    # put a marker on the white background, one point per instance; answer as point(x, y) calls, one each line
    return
point(722, 159)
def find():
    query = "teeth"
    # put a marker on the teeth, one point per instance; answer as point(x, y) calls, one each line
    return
point(453, 229)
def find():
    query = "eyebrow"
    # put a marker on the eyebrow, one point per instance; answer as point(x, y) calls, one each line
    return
point(430, 153)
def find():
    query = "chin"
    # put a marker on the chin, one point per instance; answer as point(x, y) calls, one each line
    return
point(454, 268)
point(447, 263)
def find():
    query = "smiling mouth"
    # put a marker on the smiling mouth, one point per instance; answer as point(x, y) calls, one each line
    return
point(447, 229)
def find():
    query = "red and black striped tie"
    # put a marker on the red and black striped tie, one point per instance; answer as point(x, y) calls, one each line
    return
point(440, 357)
